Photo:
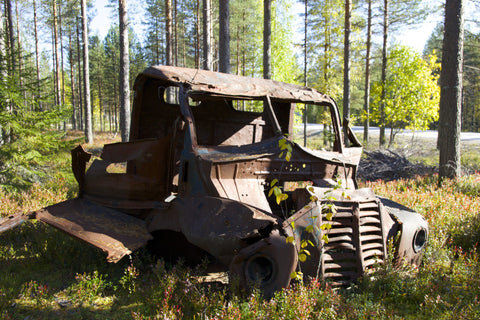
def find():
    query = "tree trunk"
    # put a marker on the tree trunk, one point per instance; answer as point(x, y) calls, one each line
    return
point(451, 90)
point(238, 50)
point(124, 71)
point(366, 97)
point(384, 74)
point(197, 38)
point(168, 32)
point(224, 36)
point(11, 37)
point(57, 66)
point(60, 38)
point(3, 52)
point(80, 83)
point(2, 44)
point(61, 61)
point(72, 81)
point(267, 36)
point(100, 103)
point(169, 45)
point(3, 70)
point(346, 73)
point(175, 34)
point(19, 53)
point(207, 35)
point(305, 69)
point(327, 55)
point(86, 76)
point(37, 57)
point(11, 64)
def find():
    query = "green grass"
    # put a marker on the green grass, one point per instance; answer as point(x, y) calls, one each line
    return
point(45, 274)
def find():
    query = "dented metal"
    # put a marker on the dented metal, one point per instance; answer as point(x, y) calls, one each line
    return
point(194, 180)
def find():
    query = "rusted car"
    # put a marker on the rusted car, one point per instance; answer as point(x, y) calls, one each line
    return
point(209, 172)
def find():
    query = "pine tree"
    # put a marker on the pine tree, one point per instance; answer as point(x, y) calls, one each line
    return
point(267, 35)
point(86, 76)
point(207, 35)
point(124, 71)
point(451, 94)
point(224, 36)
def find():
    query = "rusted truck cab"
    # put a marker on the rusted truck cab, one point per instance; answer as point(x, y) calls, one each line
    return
point(211, 169)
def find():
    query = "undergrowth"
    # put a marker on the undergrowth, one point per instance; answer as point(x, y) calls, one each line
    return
point(45, 274)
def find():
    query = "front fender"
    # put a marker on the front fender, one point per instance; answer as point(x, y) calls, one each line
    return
point(267, 264)
point(413, 232)
point(219, 226)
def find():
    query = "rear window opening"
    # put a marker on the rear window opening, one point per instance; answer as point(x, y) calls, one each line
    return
point(231, 122)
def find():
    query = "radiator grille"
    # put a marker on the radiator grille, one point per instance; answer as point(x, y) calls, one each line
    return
point(355, 241)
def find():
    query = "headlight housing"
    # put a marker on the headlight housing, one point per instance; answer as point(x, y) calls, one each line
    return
point(419, 239)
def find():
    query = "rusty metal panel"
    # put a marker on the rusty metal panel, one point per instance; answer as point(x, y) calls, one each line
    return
point(14, 220)
point(114, 232)
point(223, 84)
point(145, 177)
point(237, 181)
point(218, 226)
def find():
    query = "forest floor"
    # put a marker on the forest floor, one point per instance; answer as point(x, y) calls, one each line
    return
point(45, 274)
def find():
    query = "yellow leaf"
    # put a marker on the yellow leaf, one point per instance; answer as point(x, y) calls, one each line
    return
point(329, 216)
point(279, 198)
point(325, 238)
point(290, 239)
point(302, 257)
point(270, 192)
point(274, 182)
point(309, 228)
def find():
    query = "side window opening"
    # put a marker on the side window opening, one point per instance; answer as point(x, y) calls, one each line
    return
point(248, 105)
point(170, 94)
point(320, 134)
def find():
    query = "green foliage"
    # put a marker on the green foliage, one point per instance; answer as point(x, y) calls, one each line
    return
point(284, 62)
point(325, 53)
point(154, 44)
point(29, 136)
point(412, 92)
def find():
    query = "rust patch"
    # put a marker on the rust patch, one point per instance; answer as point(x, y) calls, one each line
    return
point(114, 232)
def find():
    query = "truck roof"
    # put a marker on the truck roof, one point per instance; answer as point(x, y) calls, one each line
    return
point(203, 82)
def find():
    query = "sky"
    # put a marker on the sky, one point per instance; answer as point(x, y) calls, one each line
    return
point(415, 37)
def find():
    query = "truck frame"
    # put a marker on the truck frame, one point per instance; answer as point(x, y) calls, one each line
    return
point(199, 168)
